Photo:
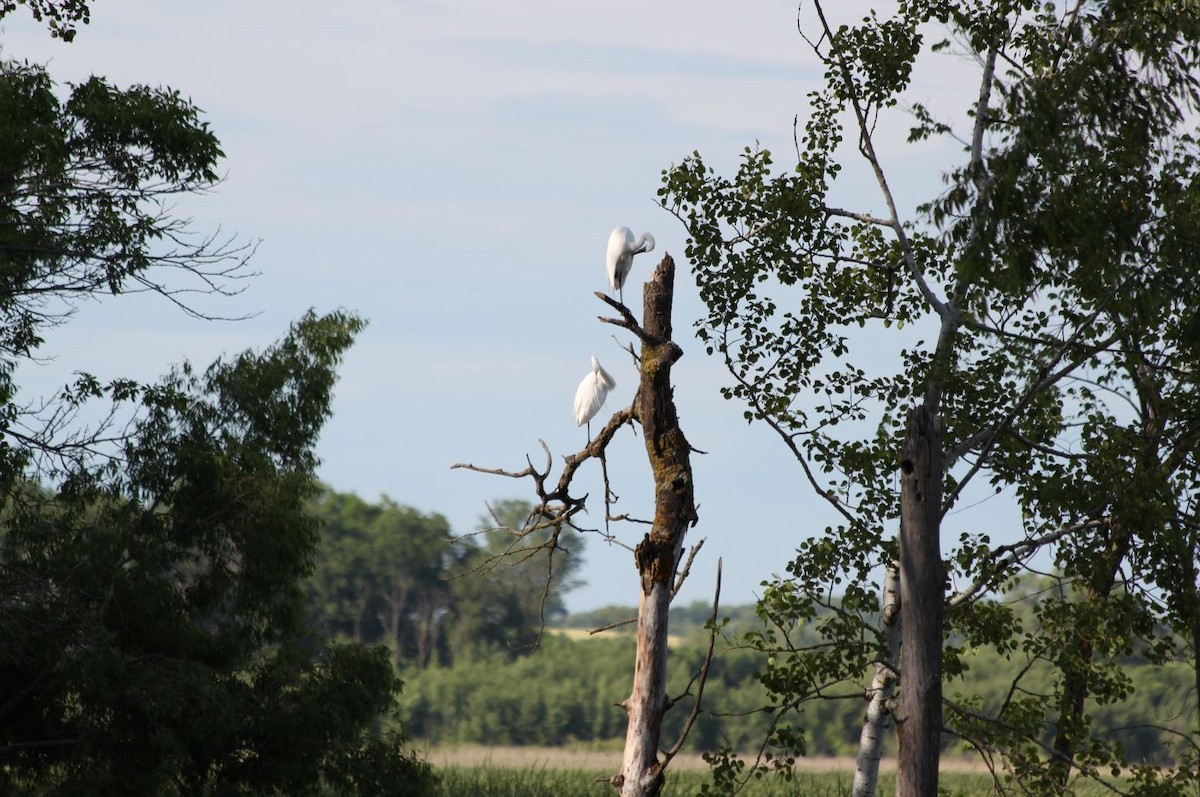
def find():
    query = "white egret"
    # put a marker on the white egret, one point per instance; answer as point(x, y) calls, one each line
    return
point(590, 395)
point(621, 248)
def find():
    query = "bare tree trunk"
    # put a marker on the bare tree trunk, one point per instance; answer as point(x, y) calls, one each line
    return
point(880, 693)
point(922, 595)
point(425, 633)
point(390, 619)
point(641, 773)
point(360, 611)
point(658, 554)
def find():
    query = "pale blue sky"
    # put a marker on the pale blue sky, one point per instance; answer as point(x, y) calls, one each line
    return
point(451, 171)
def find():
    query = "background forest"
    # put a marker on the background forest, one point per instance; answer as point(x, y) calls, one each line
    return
point(467, 634)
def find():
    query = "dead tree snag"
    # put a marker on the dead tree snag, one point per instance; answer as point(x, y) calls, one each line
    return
point(658, 555)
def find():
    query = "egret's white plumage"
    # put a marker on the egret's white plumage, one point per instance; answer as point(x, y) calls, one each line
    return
point(622, 246)
point(590, 395)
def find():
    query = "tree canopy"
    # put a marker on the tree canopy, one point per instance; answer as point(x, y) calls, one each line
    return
point(387, 573)
point(62, 16)
point(152, 564)
point(1040, 306)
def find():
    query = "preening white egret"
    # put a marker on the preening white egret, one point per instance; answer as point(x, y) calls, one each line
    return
point(622, 246)
point(590, 395)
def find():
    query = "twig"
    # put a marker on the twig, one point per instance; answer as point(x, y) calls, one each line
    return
point(626, 321)
point(702, 676)
point(1005, 556)
point(682, 575)
point(611, 626)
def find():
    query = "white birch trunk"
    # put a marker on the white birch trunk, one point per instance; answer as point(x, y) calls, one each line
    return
point(880, 694)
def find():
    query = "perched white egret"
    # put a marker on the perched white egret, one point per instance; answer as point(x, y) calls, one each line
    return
point(622, 246)
point(590, 395)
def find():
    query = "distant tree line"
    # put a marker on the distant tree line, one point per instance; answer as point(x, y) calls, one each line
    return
point(489, 659)
point(567, 691)
point(392, 575)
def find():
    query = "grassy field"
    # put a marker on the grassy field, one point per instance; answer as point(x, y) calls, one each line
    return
point(553, 772)
point(545, 782)
point(609, 761)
